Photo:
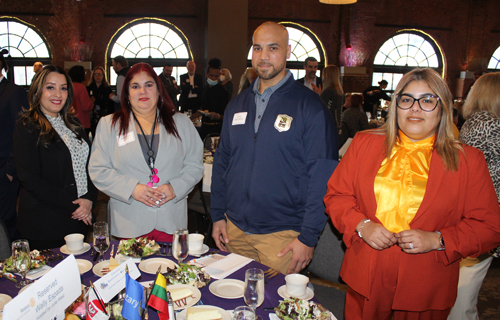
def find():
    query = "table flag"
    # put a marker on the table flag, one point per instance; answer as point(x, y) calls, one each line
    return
point(133, 303)
point(158, 299)
point(95, 310)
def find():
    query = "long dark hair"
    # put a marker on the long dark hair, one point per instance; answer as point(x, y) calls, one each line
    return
point(164, 105)
point(35, 115)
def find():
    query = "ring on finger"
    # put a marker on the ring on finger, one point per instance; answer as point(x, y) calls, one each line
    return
point(411, 245)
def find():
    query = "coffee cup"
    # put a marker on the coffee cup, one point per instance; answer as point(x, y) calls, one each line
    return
point(296, 284)
point(196, 242)
point(74, 241)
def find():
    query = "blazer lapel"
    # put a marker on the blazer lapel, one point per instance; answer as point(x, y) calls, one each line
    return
point(434, 183)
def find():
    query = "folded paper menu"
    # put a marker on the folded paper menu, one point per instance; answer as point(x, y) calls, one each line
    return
point(224, 267)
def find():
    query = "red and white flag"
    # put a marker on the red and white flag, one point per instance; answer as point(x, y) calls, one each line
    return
point(95, 310)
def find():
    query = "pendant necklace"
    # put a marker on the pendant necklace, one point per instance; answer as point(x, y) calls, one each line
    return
point(153, 178)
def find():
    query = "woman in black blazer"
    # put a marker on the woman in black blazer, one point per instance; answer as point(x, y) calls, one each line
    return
point(51, 153)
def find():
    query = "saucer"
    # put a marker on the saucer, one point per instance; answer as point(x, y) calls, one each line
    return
point(203, 250)
point(86, 247)
point(307, 296)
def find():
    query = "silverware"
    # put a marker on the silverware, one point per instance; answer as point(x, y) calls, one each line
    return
point(57, 255)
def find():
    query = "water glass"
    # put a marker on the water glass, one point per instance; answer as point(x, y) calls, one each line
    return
point(180, 246)
point(21, 259)
point(244, 313)
point(254, 287)
point(101, 238)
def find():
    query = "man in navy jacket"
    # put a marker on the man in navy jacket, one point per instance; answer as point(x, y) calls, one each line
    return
point(277, 150)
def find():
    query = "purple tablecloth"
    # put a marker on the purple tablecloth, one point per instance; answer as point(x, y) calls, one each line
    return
point(271, 288)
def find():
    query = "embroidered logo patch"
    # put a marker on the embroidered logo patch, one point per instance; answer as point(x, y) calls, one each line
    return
point(283, 122)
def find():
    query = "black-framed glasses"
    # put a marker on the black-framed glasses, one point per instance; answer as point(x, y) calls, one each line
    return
point(427, 103)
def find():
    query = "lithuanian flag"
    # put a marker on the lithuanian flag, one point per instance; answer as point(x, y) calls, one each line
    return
point(158, 299)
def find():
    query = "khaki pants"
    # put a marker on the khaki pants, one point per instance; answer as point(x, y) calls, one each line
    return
point(263, 248)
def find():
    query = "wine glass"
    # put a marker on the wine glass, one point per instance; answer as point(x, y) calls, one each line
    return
point(101, 238)
point(21, 259)
point(244, 313)
point(254, 287)
point(180, 246)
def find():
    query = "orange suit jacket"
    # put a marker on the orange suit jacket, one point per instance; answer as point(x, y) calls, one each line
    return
point(462, 205)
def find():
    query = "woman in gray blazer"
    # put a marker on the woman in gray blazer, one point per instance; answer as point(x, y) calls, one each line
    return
point(147, 158)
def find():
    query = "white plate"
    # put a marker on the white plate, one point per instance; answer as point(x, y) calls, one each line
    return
point(190, 301)
point(3, 300)
point(225, 315)
point(307, 296)
point(83, 265)
point(203, 250)
point(151, 265)
point(203, 112)
point(86, 247)
point(24, 288)
point(227, 288)
point(97, 269)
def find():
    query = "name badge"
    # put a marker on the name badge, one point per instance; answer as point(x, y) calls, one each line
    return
point(126, 138)
point(283, 122)
point(239, 118)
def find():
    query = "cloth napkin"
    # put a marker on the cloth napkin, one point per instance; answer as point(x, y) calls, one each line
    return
point(37, 273)
point(222, 268)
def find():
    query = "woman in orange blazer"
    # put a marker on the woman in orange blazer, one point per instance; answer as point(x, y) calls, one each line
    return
point(411, 201)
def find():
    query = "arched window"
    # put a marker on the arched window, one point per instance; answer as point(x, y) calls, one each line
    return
point(494, 63)
point(154, 41)
point(26, 46)
point(304, 44)
point(405, 51)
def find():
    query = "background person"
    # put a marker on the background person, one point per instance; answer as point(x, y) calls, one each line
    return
point(480, 130)
point(191, 89)
point(225, 81)
point(247, 78)
point(410, 201)
point(51, 153)
point(311, 80)
point(81, 100)
point(354, 118)
point(120, 66)
point(170, 84)
point(332, 93)
point(372, 96)
point(147, 158)
point(12, 100)
point(99, 91)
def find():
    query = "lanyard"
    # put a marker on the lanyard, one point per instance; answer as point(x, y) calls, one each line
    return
point(151, 152)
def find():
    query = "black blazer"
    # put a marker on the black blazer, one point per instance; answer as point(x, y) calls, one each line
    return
point(12, 99)
point(48, 186)
point(319, 82)
point(190, 103)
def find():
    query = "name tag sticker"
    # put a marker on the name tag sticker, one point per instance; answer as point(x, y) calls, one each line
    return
point(239, 118)
point(126, 139)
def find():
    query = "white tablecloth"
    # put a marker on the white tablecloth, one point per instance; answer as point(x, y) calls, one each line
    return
point(207, 177)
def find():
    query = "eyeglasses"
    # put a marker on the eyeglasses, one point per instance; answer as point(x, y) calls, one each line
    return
point(427, 103)
point(98, 74)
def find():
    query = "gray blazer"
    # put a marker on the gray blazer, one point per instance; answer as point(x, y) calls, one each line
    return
point(116, 170)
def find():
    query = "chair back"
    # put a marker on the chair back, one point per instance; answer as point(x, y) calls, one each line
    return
point(5, 250)
point(207, 141)
point(328, 255)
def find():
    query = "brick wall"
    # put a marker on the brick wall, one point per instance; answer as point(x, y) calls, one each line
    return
point(466, 30)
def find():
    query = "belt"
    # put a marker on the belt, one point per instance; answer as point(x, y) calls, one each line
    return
point(212, 123)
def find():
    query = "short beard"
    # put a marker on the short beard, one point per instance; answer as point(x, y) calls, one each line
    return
point(270, 75)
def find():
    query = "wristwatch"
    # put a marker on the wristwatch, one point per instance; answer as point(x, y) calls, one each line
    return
point(441, 241)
